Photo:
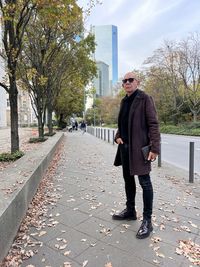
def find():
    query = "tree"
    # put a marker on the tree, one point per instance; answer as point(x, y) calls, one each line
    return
point(189, 70)
point(47, 53)
point(157, 86)
point(15, 17)
point(81, 70)
point(164, 70)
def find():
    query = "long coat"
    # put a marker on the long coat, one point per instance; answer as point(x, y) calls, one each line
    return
point(143, 129)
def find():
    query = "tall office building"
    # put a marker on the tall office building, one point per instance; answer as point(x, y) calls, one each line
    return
point(106, 39)
point(101, 82)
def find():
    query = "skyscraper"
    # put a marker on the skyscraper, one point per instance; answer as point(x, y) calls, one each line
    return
point(101, 82)
point(106, 38)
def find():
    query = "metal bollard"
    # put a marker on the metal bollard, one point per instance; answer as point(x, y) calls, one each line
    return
point(159, 157)
point(108, 136)
point(113, 137)
point(191, 163)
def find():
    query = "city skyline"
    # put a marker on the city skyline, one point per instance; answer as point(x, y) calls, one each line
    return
point(144, 25)
point(106, 38)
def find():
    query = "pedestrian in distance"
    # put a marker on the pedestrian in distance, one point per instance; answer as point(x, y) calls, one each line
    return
point(138, 128)
point(83, 127)
point(76, 125)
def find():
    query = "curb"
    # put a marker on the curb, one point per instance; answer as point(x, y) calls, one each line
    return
point(18, 184)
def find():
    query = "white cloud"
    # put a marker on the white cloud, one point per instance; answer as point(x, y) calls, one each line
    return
point(146, 14)
point(144, 24)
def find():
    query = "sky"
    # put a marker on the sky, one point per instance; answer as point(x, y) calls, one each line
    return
point(143, 25)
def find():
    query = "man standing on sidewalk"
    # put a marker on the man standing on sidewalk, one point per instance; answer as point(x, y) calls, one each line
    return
point(137, 128)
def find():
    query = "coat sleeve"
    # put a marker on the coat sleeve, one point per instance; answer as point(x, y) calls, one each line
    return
point(153, 125)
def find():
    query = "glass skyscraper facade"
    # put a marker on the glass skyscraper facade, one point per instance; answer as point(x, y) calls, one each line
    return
point(101, 82)
point(106, 38)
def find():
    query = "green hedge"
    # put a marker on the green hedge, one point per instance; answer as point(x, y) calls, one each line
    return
point(11, 156)
point(187, 129)
point(37, 139)
point(192, 128)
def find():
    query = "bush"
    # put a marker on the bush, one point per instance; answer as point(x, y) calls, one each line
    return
point(11, 156)
point(171, 129)
point(193, 125)
point(186, 129)
point(37, 139)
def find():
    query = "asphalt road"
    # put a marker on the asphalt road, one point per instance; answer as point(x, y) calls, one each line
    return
point(175, 150)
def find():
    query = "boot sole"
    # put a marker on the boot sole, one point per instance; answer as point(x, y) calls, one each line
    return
point(123, 219)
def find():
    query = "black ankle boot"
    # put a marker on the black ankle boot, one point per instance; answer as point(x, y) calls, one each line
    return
point(125, 215)
point(145, 229)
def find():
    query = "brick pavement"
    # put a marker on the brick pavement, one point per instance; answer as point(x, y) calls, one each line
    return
point(89, 189)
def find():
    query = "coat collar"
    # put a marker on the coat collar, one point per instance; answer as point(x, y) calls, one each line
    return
point(136, 101)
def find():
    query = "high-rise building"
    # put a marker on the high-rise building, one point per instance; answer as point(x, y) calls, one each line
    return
point(101, 82)
point(106, 38)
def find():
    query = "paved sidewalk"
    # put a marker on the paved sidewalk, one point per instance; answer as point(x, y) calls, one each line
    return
point(90, 190)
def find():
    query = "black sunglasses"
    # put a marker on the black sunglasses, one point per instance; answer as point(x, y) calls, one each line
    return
point(130, 80)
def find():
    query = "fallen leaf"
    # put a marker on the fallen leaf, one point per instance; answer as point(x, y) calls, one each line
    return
point(67, 264)
point(126, 225)
point(62, 247)
point(160, 255)
point(156, 248)
point(66, 253)
point(156, 239)
point(85, 263)
point(42, 233)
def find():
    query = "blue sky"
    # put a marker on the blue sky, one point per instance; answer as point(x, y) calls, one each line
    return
point(143, 25)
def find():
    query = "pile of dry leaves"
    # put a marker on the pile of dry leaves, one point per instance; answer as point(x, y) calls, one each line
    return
point(23, 246)
point(190, 250)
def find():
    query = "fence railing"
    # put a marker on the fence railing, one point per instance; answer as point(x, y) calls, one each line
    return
point(108, 134)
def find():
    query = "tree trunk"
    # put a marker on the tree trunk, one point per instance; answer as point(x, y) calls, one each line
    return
point(194, 116)
point(60, 122)
point(14, 116)
point(40, 126)
point(49, 119)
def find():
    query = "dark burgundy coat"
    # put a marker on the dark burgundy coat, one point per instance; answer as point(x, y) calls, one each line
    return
point(143, 129)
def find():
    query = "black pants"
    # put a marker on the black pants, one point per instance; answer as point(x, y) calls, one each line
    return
point(130, 186)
